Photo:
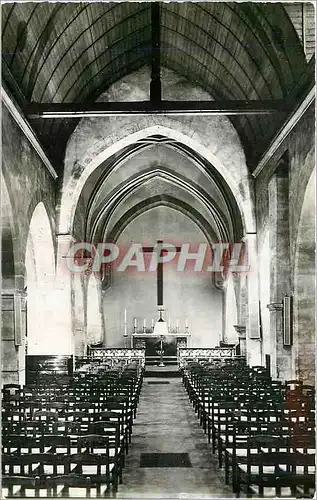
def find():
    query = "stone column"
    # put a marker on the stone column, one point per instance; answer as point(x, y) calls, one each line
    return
point(241, 331)
point(219, 283)
point(13, 336)
point(278, 190)
point(62, 300)
point(253, 336)
point(280, 359)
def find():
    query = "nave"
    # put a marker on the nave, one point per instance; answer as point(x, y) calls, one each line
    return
point(222, 430)
point(158, 200)
point(165, 424)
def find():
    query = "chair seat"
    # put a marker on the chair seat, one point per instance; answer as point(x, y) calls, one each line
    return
point(271, 492)
point(269, 469)
point(310, 451)
point(91, 470)
point(49, 469)
point(73, 492)
point(81, 492)
point(29, 493)
point(240, 452)
point(254, 469)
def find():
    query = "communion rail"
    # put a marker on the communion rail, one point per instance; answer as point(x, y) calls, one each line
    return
point(206, 355)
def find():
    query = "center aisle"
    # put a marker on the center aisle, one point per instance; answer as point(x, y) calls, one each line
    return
point(166, 423)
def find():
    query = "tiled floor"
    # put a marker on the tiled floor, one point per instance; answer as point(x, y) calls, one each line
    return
point(166, 423)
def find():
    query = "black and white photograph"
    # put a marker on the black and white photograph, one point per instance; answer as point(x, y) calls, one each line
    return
point(158, 219)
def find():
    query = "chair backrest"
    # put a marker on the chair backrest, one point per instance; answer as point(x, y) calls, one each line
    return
point(69, 481)
point(93, 443)
point(20, 444)
point(16, 486)
point(55, 443)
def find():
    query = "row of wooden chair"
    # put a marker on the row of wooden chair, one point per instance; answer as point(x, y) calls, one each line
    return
point(69, 438)
point(262, 430)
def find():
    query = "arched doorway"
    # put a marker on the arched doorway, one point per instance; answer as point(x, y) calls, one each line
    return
point(40, 275)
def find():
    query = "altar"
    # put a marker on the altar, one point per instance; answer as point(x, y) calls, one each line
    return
point(151, 342)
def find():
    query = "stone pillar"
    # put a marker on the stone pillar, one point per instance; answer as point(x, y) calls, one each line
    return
point(78, 315)
point(13, 336)
point(280, 355)
point(278, 191)
point(62, 300)
point(219, 284)
point(241, 331)
point(253, 335)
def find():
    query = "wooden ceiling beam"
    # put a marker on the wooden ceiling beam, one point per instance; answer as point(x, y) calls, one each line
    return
point(222, 107)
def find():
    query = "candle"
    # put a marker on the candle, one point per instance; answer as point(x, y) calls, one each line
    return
point(177, 324)
point(152, 323)
point(186, 323)
point(125, 315)
point(135, 322)
point(144, 323)
point(169, 323)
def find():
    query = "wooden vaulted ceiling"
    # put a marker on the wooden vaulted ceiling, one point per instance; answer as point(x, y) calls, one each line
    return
point(72, 52)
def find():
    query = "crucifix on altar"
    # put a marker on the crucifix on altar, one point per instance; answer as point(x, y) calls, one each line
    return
point(158, 248)
point(160, 341)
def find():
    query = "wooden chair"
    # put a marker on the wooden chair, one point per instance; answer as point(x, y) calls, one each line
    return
point(34, 464)
point(18, 486)
point(104, 445)
point(275, 470)
point(266, 456)
point(17, 445)
point(96, 467)
point(75, 485)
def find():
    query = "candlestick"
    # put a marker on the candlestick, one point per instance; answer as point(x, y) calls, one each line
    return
point(161, 352)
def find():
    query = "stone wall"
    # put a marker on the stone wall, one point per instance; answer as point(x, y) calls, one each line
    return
point(298, 151)
point(187, 294)
point(27, 182)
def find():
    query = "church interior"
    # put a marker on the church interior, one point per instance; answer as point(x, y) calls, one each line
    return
point(158, 249)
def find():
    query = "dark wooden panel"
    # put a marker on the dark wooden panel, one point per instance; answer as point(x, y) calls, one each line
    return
point(40, 368)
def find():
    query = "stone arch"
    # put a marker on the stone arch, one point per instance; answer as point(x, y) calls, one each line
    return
point(304, 288)
point(77, 174)
point(38, 198)
point(40, 276)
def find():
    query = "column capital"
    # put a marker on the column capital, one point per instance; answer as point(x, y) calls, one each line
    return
point(65, 237)
point(241, 330)
point(275, 306)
